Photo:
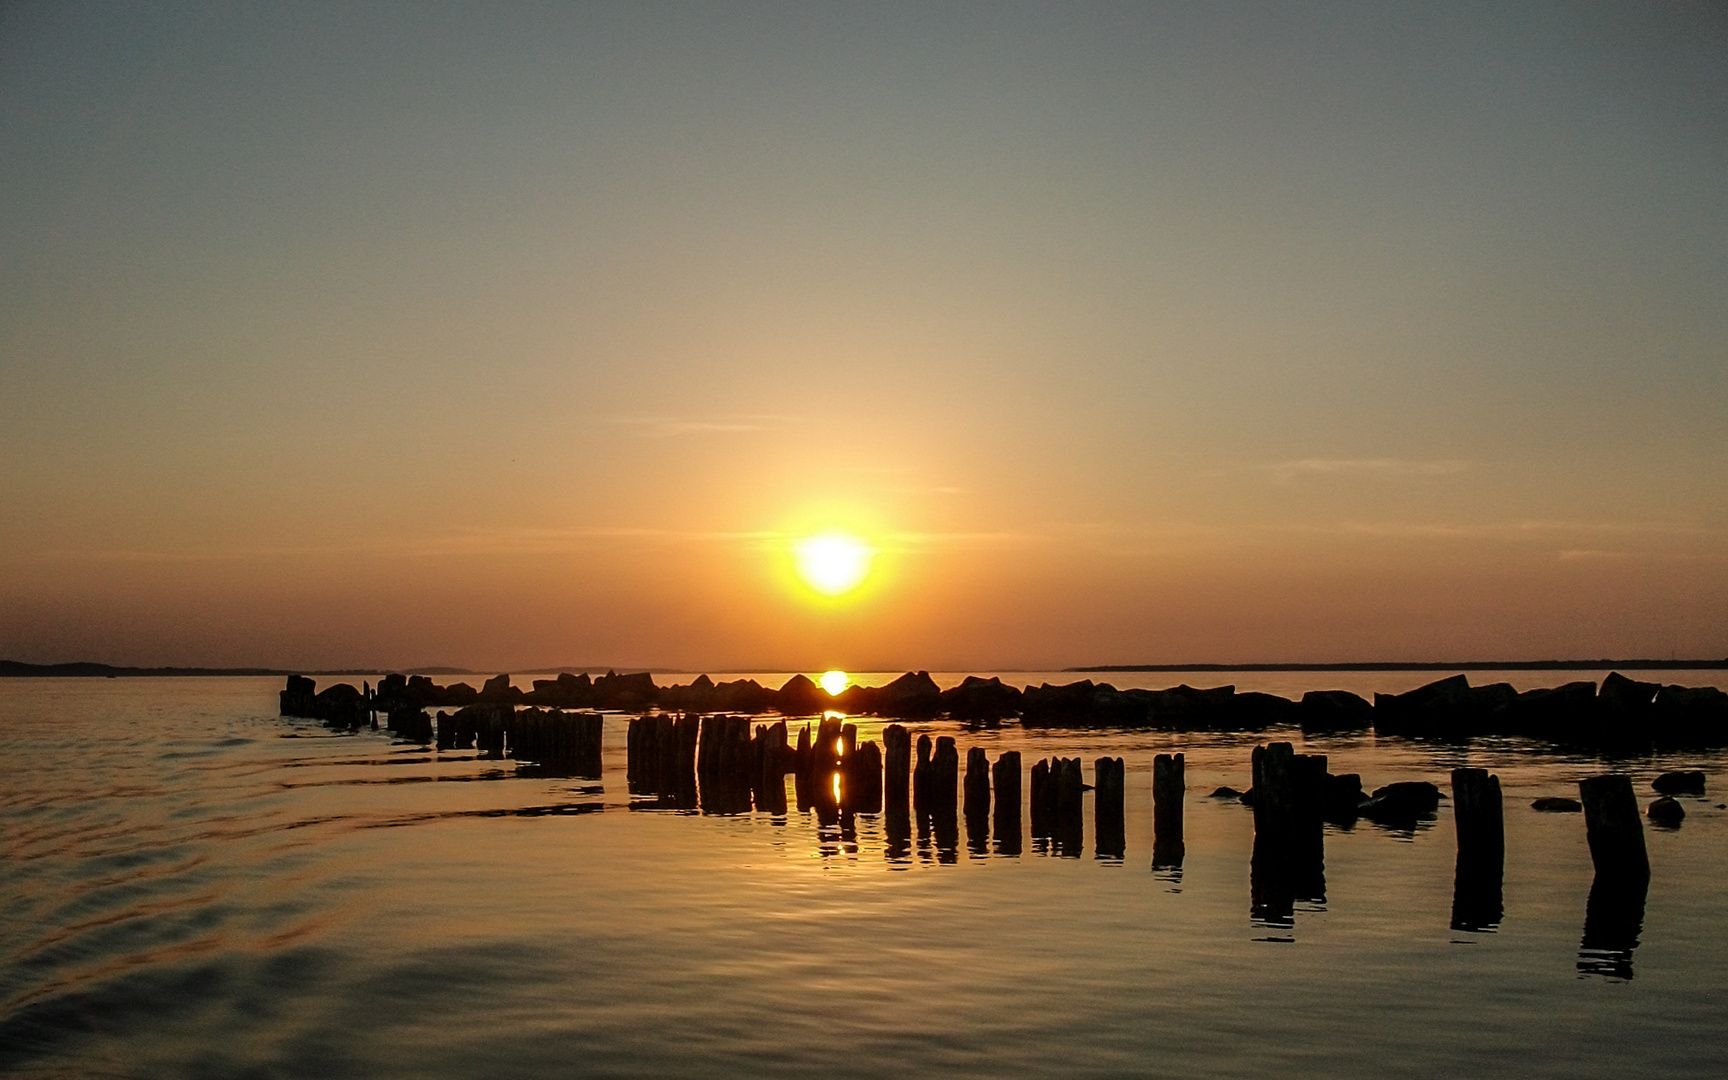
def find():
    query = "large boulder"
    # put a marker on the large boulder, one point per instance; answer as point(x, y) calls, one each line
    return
point(300, 698)
point(913, 694)
point(634, 692)
point(981, 699)
point(1403, 804)
point(1688, 782)
point(1558, 713)
point(498, 691)
point(341, 706)
point(1666, 812)
point(801, 697)
point(1440, 709)
point(1334, 710)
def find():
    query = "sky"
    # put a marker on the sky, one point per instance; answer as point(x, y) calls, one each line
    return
point(501, 336)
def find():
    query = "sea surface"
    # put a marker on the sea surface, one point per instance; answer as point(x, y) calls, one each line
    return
point(193, 886)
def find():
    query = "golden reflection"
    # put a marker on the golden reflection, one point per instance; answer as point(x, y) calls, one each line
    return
point(839, 747)
point(836, 788)
point(832, 563)
point(834, 681)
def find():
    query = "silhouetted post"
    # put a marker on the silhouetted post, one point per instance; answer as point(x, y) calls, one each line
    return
point(897, 765)
point(945, 774)
point(1613, 826)
point(848, 740)
point(1067, 788)
point(864, 779)
point(804, 768)
point(921, 777)
point(977, 801)
point(1477, 886)
point(446, 731)
point(1109, 810)
point(688, 730)
point(1005, 778)
point(589, 732)
point(1274, 789)
point(665, 753)
point(1043, 809)
point(1169, 786)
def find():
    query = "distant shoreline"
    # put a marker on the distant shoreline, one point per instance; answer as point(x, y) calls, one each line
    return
point(81, 669)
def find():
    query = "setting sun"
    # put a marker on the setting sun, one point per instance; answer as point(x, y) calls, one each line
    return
point(834, 681)
point(833, 563)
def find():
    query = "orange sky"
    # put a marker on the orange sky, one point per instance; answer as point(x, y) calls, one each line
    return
point(453, 336)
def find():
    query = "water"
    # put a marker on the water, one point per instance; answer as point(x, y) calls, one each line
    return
point(193, 886)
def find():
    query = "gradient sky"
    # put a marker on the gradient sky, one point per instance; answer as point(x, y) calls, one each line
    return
point(509, 335)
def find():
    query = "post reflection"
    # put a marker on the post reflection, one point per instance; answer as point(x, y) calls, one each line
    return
point(1613, 919)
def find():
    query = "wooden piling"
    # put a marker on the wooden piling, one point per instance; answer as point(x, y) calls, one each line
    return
point(1043, 809)
point(1478, 813)
point(1109, 802)
point(1005, 778)
point(897, 765)
point(977, 801)
point(1613, 826)
point(864, 779)
point(921, 776)
point(1169, 786)
point(945, 774)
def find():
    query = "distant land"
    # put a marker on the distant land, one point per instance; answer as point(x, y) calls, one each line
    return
point(1468, 665)
point(84, 669)
point(17, 669)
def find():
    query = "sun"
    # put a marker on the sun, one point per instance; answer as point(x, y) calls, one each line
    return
point(833, 563)
point(834, 682)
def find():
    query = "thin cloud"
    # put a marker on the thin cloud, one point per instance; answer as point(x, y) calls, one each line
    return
point(667, 427)
point(1381, 467)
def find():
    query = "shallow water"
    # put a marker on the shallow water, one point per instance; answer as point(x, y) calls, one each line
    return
point(194, 886)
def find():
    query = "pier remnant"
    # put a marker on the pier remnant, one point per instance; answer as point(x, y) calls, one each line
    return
point(1613, 826)
point(1109, 816)
point(1169, 785)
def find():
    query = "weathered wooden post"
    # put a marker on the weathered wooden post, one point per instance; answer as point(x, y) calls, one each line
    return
point(590, 729)
point(1109, 807)
point(945, 774)
point(666, 754)
point(1005, 778)
point(446, 731)
point(1478, 897)
point(1613, 826)
point(1042, 790)
point(897, 765)
point(921, 777)
point(803, 768)
point(977, 801)
point(864, 779)
point(1169, 787)
point(1070, 786)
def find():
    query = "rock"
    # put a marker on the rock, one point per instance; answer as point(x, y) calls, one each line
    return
point(1226, 793)
point(634, 692)
point(1680, 783)
point(1554, 804)
point(913, 694)
point(1402, 804)
point(1334, 710)
point(981, 699)
point(300, 698)
point(1623, 695)
point(1341, 797)
point(801, 697)
point(497, 690)
point(1552, 713)
point(1439, 708)
point(1665, 811)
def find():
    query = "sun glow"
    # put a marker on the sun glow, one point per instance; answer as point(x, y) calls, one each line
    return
point(833, 563)
point(834, 681)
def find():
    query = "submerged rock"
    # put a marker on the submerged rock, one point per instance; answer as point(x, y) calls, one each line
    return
point(1665, 811)
point(1226, 793)
point(1687, 782)
point(1402, 804)
point(1554, 804)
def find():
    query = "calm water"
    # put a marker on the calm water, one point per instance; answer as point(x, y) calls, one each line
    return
point(193, 886)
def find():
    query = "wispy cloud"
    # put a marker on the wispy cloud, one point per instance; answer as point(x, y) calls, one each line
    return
point(665, 427)
point(1381, 467)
